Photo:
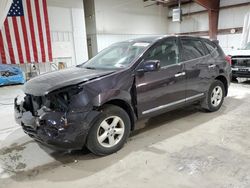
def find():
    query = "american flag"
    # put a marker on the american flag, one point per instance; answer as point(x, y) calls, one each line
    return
point(25, 35)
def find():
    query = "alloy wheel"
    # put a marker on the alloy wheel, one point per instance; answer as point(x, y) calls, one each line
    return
point(110, 131)
point(216, 96)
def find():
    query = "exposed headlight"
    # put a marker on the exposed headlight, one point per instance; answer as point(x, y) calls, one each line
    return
point(61, 99)
point(19, 99)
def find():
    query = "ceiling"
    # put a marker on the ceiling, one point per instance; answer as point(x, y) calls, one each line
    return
point(167, 3)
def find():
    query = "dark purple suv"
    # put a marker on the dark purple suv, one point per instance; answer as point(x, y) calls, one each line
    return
point(96, 104)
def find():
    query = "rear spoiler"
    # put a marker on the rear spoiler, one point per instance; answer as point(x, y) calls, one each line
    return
point(216, 41)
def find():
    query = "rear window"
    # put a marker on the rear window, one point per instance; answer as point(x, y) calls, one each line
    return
point(192, 49)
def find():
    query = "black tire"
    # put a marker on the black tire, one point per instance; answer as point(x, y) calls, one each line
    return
point(208, 104)
point(92, 141)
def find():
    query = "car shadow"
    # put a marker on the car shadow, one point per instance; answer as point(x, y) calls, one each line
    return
point(245, 81)
point(147, 133)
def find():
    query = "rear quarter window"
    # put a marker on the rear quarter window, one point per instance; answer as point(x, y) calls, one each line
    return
point(212, 48)
point(192, 49)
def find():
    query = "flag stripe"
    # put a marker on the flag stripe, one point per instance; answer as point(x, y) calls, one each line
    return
point(32, 30)
point(25, 38)
point(14, 44)
point(20, 31)
point(39, 24)
point(47, 29)
point(26, 18)
point(36, 32)
point(18, 42)
point(9, 41)
point(44, 30)
point(3, 57)
point(6, 48)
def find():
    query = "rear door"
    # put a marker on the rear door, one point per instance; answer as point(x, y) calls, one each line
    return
point(197, 65)
point(164, 89)
point(217, 63)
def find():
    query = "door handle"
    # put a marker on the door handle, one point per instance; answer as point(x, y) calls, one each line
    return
point(212, 66)
point(180, 74)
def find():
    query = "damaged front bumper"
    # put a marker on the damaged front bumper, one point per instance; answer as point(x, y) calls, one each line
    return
point(59, 130)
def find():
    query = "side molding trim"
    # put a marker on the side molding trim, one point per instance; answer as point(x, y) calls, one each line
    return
point(172, 104)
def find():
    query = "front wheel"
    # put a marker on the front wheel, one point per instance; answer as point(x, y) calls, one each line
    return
point(215, 96)
point(110, 131)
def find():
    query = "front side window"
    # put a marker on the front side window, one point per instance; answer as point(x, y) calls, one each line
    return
point(191, 49)
point(117, 56)
point(166, 52)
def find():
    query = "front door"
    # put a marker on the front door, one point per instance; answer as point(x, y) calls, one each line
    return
point(161, 90)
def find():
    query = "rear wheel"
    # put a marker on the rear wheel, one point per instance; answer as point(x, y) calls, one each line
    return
point(215, 97)
point(110, 131)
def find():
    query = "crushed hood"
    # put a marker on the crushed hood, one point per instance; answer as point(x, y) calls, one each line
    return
point(49, 82)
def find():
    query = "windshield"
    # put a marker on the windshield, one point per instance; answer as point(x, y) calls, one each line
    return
point(247, 46)
point(117, 56)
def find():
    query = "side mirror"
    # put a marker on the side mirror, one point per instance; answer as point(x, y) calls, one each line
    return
point(151, 66)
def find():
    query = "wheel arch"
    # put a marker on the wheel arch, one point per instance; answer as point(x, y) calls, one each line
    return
point(223, 79)
point(120, 98)
point(125, 106)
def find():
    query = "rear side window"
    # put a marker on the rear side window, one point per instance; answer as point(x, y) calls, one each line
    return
point(212, 48)
point(192, 49)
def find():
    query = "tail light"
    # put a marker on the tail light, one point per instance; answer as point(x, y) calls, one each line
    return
point(229, 59)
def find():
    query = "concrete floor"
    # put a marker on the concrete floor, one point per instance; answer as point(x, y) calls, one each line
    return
point(181, 149)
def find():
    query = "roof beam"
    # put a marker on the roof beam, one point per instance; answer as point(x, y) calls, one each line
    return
point(213, 23)
point(209, 4)
point(213, 7)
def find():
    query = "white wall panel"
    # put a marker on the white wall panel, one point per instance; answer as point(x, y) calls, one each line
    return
point(119, 20)
point(62, 35)
point(66, 3)
point(79, 34)
point(68, 31)
point(187, 8)
point(189, 24)
point(129, 17)
point(233, 17)
point(233, 41)
point(60, 19)
point(105, 40)
point(223, 41)
point(232, 2)
point(229, 42)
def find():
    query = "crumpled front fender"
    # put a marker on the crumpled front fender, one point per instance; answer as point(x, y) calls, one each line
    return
point(110, 95)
